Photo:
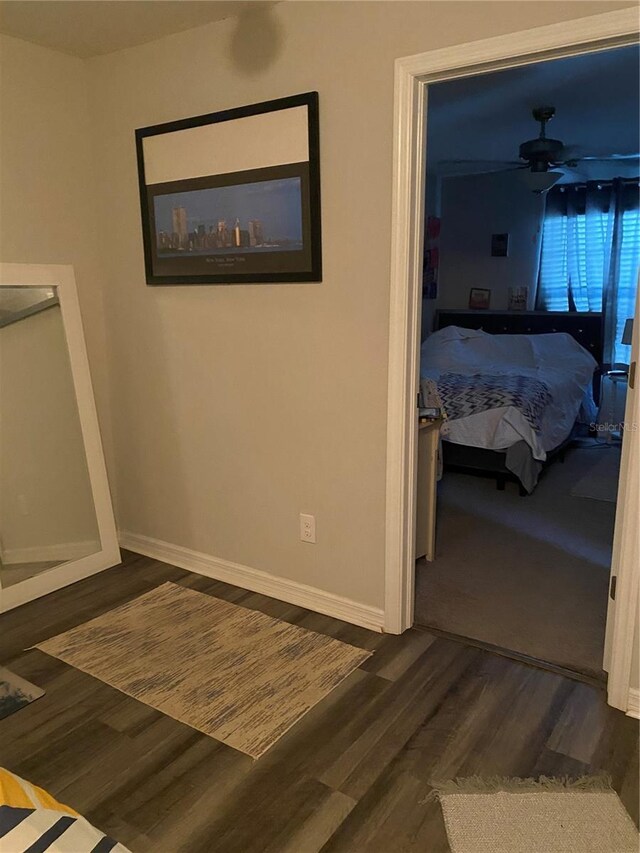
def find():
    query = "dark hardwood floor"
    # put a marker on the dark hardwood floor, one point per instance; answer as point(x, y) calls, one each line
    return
point(350, 776)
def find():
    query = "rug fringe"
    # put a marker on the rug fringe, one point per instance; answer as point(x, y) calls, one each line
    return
point(595, 784)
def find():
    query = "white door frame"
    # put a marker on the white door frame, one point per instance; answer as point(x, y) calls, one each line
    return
point(622, 614)
point(412, 76)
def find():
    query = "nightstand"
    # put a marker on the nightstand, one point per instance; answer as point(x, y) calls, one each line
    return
point(612, 403)
point(428, 441)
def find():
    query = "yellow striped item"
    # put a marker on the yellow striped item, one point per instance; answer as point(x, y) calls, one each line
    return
point(32, 821)
point(20, 794)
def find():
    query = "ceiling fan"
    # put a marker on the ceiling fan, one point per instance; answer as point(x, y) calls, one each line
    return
point(544, 157)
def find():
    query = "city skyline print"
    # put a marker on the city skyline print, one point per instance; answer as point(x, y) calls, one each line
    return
point(264, 216)
point(233, 197)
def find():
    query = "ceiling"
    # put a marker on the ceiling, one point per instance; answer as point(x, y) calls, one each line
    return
point(87, 28)
point(487, 116)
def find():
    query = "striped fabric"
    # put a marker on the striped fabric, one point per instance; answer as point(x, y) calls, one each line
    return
point(31, 821)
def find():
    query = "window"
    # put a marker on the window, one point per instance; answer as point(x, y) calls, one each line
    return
point(627, 279)
point(586, 252)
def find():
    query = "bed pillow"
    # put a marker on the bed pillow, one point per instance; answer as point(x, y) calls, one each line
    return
point(496, 353)
point(447, 349)
point(454, 349)
point(559, 351)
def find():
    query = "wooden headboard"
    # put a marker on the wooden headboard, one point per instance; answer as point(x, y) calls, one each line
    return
point(586, 328)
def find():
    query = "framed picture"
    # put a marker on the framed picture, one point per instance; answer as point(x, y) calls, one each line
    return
point(499, 245)
point(431, 259)
point(479, 297)
point(518, 298)
point(233, 197)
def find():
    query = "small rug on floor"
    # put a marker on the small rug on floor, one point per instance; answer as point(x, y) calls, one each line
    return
point(536, 816)
point(601, 482)
point(235, 674)
point(15, 692)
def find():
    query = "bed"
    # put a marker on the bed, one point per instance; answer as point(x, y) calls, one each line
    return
point(513, 386)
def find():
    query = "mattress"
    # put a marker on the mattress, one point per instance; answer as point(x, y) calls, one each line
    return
point(498, 429)
point(556, 360)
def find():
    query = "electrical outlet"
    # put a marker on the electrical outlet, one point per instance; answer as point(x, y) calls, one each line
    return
point(307, 527)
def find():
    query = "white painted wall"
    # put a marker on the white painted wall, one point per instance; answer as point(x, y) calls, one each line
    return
point(48, 207)
point(634, 684)
point(235, 408)
point(473, 208)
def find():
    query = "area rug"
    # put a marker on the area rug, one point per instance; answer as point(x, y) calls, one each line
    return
point(235, 674)
point(601, 482)
point(15, 692)
point(536, 816)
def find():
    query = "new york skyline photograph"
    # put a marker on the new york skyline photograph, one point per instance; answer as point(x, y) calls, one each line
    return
point(249, 217)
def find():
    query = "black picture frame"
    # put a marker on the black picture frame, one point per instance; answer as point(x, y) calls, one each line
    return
point(500, 245)
point(479, 298)
point(235, 254)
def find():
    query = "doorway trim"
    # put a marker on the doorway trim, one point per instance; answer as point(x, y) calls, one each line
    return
point(412, 76)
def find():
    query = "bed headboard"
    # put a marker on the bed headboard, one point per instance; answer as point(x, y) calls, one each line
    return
point(586, 328)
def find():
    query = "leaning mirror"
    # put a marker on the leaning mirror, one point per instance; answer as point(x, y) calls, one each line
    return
point(56, 520)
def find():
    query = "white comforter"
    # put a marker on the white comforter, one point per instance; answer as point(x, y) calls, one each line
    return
point(555, 359)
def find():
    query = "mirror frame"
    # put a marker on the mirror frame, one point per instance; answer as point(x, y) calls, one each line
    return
point(63, 279)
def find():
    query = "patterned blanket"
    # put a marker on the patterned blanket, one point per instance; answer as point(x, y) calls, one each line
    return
point(462, 395)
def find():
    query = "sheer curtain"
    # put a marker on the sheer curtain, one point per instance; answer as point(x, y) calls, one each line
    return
point(591, 255)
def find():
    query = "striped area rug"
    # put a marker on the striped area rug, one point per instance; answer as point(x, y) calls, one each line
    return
point(235, 674)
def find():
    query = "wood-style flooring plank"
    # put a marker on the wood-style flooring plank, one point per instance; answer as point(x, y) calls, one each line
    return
point(580, 726)
point(414, 698)
point(354, 775)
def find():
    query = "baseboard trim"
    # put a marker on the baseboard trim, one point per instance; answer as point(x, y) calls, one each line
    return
point(256, 580)
point(633, 703)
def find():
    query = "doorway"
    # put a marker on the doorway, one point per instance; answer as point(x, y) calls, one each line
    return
point(534, 379)
point(413, 76)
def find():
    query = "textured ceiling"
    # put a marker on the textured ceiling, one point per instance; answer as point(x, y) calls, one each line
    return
point(87, 28)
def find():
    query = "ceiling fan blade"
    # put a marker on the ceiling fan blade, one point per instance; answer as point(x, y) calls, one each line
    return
point(611, 157)
point(469, 168)
point(572, 153)
point(479, 163)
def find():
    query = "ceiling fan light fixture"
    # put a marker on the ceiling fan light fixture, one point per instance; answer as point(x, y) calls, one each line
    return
point(540, 182)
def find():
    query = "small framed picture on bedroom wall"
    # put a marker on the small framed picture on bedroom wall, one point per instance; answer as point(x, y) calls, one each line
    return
point(479, 297)
point(518, 298)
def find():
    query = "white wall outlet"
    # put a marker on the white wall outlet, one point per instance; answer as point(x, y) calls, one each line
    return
point(307, 527)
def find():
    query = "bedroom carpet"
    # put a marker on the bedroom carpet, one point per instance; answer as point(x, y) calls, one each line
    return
point(235, 674)
point(600, 483)
point(526, 574)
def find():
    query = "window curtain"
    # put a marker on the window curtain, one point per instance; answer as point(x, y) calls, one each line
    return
point(591, 256)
